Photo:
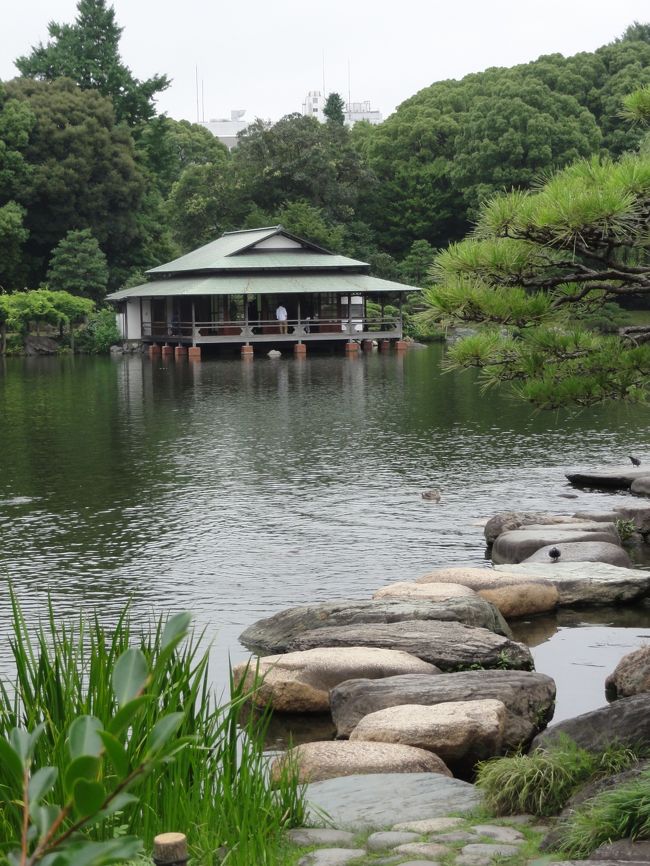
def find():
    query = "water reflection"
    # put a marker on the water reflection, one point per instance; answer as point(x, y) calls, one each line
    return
point(236, 489)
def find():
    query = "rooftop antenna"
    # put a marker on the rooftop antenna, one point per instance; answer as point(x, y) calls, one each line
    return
point(196, 79)
point(349, 90)
point(202, 102)
point(323, 72)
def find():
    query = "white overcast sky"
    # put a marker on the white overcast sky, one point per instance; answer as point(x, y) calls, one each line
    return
point(264, 55)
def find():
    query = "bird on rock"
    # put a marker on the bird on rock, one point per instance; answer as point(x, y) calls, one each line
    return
point(554, 553)
point(635, 461)
point(431, 495)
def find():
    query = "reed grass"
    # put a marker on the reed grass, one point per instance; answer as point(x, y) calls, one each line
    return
point(542, 782)
point(216, 790)
point(620, 813)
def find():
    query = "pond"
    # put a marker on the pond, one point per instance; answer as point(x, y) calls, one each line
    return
point(236, 489)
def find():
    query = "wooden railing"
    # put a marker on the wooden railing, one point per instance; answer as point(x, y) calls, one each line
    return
point(269, 329)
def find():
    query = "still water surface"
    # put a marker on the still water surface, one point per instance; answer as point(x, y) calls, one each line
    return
point(235, 490)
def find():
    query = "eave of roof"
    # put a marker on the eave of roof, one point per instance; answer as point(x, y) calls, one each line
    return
point(261, 284)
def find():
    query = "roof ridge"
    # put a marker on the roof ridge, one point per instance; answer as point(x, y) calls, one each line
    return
point(246, 231)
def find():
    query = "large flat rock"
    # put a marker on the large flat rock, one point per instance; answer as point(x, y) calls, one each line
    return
point(617, 478)
point(519, 544)
point(529, 698)
point(316, 762)
point(626, 721)
point(274, 634)
point(372, 801)
point(300, 682)
point(587, 582)
point(584, 551)
point(459, 732)
point(505, 521)
point(641, 486)
point(448, 645)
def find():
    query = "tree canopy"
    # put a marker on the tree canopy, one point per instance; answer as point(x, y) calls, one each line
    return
point(540, 261)
point(334, 109)
point(88, 52)
point(79, 266)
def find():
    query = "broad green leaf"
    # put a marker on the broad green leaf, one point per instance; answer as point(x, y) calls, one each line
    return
point(83, 737)
point(123, 717)
point(88, 796)
point(116, 752)
point(43, 817)
point(84, 767)
point(41, 782)
point(11, 760)
point(102, 853)
point(19, 740)
point(130, 675)
point(117, 804)
point(175, 629)
point(163, 730)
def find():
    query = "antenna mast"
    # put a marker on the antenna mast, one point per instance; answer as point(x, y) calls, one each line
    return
point(196, 81)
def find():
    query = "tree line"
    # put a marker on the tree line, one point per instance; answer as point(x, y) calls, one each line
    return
point(84, 150)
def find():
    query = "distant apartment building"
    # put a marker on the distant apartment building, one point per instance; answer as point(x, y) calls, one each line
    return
point(226, 129)
point(314, 105)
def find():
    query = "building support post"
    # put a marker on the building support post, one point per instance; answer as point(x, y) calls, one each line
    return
point(351, 348)
point(193, 324)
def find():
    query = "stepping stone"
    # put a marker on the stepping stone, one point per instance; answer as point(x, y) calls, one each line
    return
point(587, 583)
point(331, 857)
point(429, 825)
point(500, 834)
point(305, 836)
point(385, 840)
point(381, 800)
point(529, 698)
point(300, 682)
point(423, 849)
point(274, 633)
point(482, 849)
point(519, 544)
point(458, 836)
point(617, 478)
point(334, 758)
point(459, 732)
point(448, 645)
point(584, 551)
point(427, 591)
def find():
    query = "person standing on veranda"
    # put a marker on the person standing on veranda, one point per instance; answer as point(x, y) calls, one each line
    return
point(281, 316)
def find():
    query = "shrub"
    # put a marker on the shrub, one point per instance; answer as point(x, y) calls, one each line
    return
point(542, 782)
point(99, 334)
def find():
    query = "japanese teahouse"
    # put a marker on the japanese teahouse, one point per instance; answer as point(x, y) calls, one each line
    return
point(232, 291)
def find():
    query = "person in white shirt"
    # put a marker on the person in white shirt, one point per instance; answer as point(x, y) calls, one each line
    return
point(281, 316)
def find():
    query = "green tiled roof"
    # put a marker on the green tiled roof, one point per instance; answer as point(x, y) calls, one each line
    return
point(262, 284)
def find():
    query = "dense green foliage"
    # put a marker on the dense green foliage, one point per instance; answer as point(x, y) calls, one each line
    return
point(542, 782)
point(79, 265)
point(81, 148)
point(540, 261)
point(57, 308)
point(334, 109)
point(88, 53)
point(63, 673)
point(99, 333)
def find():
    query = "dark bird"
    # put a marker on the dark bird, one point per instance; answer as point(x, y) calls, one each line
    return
point(635, 461)
point(554, 553)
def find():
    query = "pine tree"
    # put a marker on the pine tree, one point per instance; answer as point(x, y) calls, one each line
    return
point(88, 52)
point(79, 266)
point(334, 109)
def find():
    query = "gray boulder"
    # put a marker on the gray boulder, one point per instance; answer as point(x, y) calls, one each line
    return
point(583, 583)
point(448, 645)
point(519, 544)
point(506, 521)
point(529, 698)
point(631, 676)
point(35, 345)
point(585, 551)
point(641, 486)
point(624, 850)
point(275, 633)
point(618, 478)
point(626, 722)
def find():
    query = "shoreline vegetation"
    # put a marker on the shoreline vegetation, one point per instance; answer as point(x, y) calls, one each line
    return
point(212, 784)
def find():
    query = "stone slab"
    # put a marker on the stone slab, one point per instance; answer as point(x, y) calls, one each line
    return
point(384, 841)
point(583, 551)
point(381, 800)
point(331, 857)
point(587, 582)
point(305, 836)
point(519, 544)
point(616, 478)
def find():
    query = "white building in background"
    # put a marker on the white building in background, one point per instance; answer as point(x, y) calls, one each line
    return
point(226, 129)
point(314, 105)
